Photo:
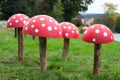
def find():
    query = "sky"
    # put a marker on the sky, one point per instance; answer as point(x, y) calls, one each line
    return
point(97, 6)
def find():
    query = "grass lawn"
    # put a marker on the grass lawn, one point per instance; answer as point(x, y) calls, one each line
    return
point(78, 67)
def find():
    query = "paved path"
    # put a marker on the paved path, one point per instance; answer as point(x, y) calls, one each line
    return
point(117, 37)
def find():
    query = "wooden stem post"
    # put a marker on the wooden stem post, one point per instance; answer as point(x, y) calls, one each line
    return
point(15, 33)
point(65, 49)
point(33, 37)
point(97, 59)
point(42, 48)
point(20, 45)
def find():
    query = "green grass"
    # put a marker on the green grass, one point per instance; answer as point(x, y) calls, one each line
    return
point(78, 67)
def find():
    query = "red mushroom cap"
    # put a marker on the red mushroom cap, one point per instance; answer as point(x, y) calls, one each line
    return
point(69, 30)
point(44, 26)
point(17, 21)
point(98, 34)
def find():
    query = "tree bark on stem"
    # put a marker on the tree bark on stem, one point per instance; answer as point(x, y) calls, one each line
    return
point(20, 45)
point(42, 48)
point(65, 49)
point(15, 33)
point(97, 58)
point(33, 37)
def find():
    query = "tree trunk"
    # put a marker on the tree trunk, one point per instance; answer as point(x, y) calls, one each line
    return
point(97, 59)
point(65, 49)
point(43, 59)
point(20, 45)
point(16, 31)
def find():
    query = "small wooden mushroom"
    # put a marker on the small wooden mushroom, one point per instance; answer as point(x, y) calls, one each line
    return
point(69, 31)
point(98, 34)
point(18, 21)
point(45, 27)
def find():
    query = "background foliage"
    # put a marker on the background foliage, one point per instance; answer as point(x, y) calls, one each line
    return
point(66, 9)
point(111, 18)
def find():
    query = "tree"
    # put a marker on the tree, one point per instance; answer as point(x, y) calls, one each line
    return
point(98, 21)
point(117, 24)
point(110, 8)
point(10, 7)
point(71, 7)
point(58, 11)
point(35, 7)
point(108, 21)
point(110, 15)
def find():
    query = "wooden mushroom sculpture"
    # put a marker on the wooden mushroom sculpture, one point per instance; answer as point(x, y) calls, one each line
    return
point(18, 21)
point(69, 31)
point(45, 27)
point(97, 34)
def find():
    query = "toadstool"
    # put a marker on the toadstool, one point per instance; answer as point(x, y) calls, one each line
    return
point(45, 27)
point(69, 31)
point(18, 21)
point(97, 34)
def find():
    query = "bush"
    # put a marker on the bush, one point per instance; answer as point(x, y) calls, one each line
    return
point(117, 25)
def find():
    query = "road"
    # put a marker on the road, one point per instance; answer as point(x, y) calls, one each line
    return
point(117, 37)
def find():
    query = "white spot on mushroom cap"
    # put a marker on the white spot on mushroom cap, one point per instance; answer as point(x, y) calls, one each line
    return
point(36, 16)
point(111, 37)
point(42, 19)
point(26, 28)
point(74, 28)
point(102, 26)
point(105, 34)
point(36, 30)
point(66, 34)
point(24, 22)
point(32, 26)
point(55, 28)
point(34, 20)
point(43, 25)
point(93, 39)
point(21, 18)
point(18, 14)
point(77, 32)
point(64, 27)
point(16, 21)
point(49, 28)
point(85, 32)
point(14, 17)
point(72, 31)
point(69, 27)
point(60, 33)
point(50, 20)
point(66, 23)
point(97, 31)
point(10, 24)
point(25, 17)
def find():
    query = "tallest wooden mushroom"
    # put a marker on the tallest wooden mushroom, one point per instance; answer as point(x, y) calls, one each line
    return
point(97, 34)
point(18, 21)
point(43, 26)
